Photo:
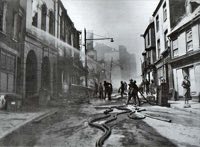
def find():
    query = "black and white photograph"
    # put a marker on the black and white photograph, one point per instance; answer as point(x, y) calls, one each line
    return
point(99, 73)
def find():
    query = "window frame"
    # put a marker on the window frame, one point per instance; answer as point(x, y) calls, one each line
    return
point(1, 15)
point(3, 10)
point(158, 48)
point(43, 17)
point(157, 23)
point(190, 40)
point(164, 12)
point(8, 70)
point(175, 47)
point(51, 22)
point(166, 41)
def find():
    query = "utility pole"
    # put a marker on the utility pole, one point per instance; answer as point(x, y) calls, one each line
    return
point(85, 42)
point(111, 63)
point(86, 73)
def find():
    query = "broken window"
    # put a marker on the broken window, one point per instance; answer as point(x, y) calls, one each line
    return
point(34, 13)
point(51, 23)
point(43, 19)
point(35, 20)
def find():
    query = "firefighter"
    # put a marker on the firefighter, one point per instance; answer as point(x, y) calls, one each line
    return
point(122, 89)
point(110, 90)
point(105, 84)
point(100, 91)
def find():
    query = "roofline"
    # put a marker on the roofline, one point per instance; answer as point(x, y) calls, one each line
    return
point(194, 20)
point(158, 7)
point(70, 21)
point(150, 24)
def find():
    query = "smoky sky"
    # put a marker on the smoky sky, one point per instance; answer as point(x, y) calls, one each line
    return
point(124, 20)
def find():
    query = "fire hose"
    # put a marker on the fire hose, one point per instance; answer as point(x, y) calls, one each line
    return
point(107, 129)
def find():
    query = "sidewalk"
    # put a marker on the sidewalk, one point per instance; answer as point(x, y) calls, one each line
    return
point(195, 106)
point(11, 121)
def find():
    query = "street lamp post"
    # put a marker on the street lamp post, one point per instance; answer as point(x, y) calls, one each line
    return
point(85, 44)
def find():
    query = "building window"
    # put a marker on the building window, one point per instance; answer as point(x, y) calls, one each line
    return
point(43, 19)
point(15, 17)
point(51, 23)
point(3, 60)
point(7, 72)
point(69, 39)
point(62, 27)
point(35, 20)
point(189, 41)
point(148, 39)
point(166, 40)
point(3, 7)
point(158, 47)
point(157, 23)
point(19, 24)
point(34, 13)
point(7, 61)
point(164, 12)
point(175, 47)
point(1, 16)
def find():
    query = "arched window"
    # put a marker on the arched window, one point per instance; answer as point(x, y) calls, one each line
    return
point(43, 19)
point(51, 23)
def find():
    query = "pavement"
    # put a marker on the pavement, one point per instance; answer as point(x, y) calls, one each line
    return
point(195, 106)
point(11, 121)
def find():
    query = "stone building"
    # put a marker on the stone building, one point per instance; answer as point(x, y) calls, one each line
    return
point(12, 26)
point(52, 44)
point(42, 48)
point(185, 49)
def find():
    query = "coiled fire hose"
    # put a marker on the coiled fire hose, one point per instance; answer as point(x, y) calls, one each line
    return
point(107, 129)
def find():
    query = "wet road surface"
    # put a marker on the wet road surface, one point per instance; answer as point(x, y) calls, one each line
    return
point(69, 127)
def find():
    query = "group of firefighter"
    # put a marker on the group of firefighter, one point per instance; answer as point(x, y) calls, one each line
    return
point(105, 90)
point(132, 91)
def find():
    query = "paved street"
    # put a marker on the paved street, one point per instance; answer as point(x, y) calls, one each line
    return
point(69, 127)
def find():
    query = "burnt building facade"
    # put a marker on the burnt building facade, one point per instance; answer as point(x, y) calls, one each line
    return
point(40, 48)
